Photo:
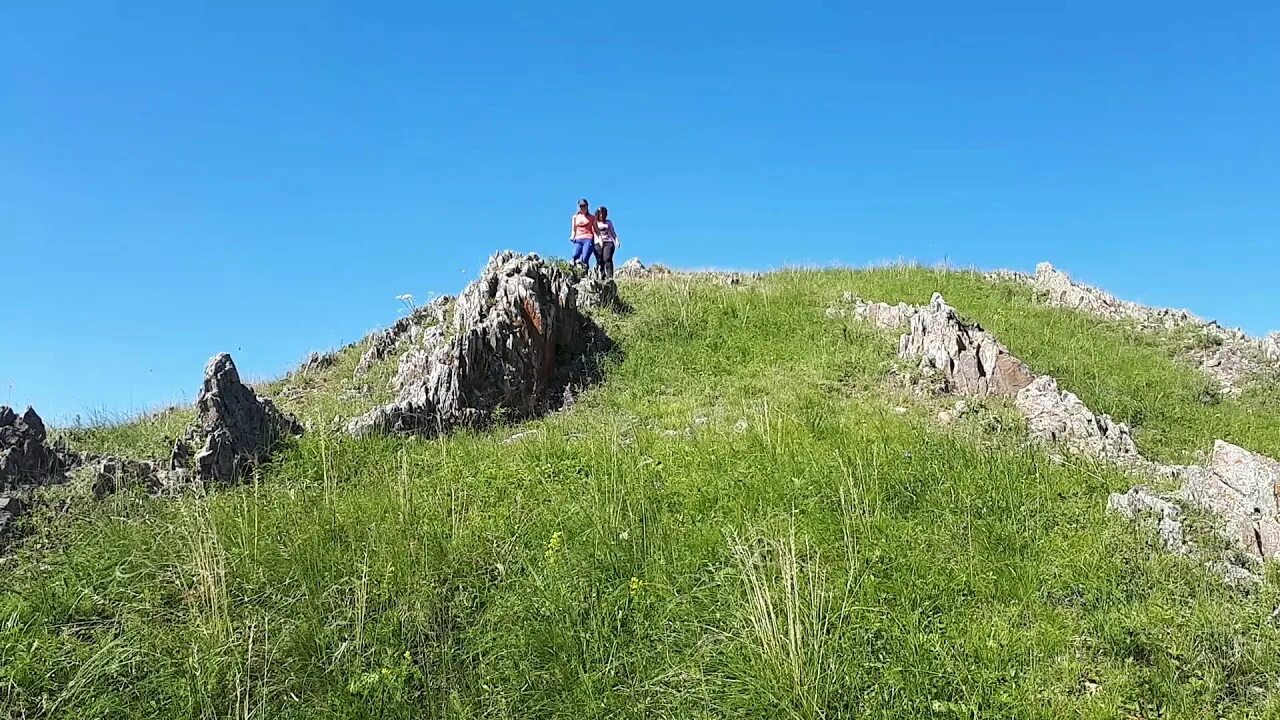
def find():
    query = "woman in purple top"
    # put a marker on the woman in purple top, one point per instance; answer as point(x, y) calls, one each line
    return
point(606, 241)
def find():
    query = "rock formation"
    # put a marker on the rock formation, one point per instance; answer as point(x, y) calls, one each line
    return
point(596, 293)
point(516, 346)
point(25, 456)
point(965, 358)
point(1229, 356)
point(406, 330)
point(1237, 486)
point(1056, 416)
point(27, 462)
point(237, 428)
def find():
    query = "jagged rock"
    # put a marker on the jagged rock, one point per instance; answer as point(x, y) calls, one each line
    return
point(516, 348)
point(1229, 356)
point(237, 427)
point(633, 269)
point(1140, 502)
point(598, 293)
point(318, 361)
point(968, 359)
point(1055, 415)
point(383, 343)
point(1240, 488)
point(1271, 347)
point(25, 456)
point(882, 315)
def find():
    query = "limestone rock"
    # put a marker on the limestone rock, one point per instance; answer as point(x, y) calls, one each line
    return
point(882, 315)
point(383, 344)
point(1055, 415)
point(968, 359)
point(596, 293)
point(238, 428)
point(517, 346)
point(11, 508)
point(1240, 488)
point(1231, 357)
point(1140, 502)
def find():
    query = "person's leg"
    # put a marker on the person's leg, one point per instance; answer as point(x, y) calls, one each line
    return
point(579, 252)
point(606, 258)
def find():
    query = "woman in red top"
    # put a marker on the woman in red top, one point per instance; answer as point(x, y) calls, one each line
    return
point(582, 233)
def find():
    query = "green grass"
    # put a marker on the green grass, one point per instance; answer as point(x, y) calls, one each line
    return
point(737, 523)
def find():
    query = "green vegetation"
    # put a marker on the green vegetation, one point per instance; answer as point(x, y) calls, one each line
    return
point(740, 522)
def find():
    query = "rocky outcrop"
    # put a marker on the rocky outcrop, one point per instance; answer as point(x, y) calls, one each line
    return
point(25, 455)
point(1056, 416)
point(1237, 486)
point(27, 463)
point(405, 331)
point(516, 348)
point(963, 357)
point(107, 475)
point(634, 269)
point(882, 315)
point(237, 428)
point(595, 293)
point(1230, 357)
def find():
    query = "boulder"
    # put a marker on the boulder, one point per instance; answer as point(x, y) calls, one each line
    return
point(967, 359)
point(882, 315)
point(1055, 415)
point(516, 347)
point(11, 508)
point(238, 429)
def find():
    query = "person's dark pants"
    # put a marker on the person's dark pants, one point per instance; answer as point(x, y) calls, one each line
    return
point(604, 258)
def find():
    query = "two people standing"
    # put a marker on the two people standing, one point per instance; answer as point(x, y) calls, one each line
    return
point(593, 235)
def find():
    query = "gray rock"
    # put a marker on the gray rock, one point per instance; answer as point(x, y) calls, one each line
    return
point(26, 458)
point(1055, 415)
point(382, 344)
point(11, 508)
point(595, 293)
point(882, 315)
point(238, 429)
point(1140, 502)
point(967, 359)
point(516, 348)
point(1240, 488)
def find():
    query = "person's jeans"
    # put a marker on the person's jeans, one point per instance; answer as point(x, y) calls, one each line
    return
point(586, 248)
point(604, 258)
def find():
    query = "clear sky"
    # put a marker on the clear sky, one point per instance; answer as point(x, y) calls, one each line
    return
point(182, 178)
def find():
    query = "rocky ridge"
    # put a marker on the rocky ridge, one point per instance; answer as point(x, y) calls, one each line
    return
point(955, 356)
point(1229, 356)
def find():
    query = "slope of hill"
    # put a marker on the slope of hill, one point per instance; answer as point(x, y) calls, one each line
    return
point(747, 518)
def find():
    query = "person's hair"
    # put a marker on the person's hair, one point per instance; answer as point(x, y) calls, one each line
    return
point(602, 213)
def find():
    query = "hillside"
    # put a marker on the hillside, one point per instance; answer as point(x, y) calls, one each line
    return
point(748, 514)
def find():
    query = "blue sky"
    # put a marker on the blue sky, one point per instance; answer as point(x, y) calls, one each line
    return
point(182, 178)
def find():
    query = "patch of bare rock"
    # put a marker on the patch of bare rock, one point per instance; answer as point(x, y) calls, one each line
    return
point(1229, 356)
point(517, 346)
point(959, 357)
point(634, 269)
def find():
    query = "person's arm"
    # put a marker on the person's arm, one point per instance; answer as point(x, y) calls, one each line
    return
point(573, 227)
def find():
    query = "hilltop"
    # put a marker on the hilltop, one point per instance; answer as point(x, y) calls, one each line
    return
point(806, 493)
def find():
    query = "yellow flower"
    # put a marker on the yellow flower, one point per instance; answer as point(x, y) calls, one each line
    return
point(635, 586)
point(555, 546)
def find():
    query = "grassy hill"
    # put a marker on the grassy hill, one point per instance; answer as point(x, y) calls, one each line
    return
point(746, 519)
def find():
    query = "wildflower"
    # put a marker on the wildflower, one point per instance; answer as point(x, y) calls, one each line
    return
point(405, 298)
point(624, 535)
point(555, 546)
point(635, 586)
